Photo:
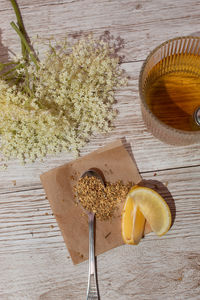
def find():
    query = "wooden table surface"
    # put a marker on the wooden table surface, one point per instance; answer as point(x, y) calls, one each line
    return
point(34, 262)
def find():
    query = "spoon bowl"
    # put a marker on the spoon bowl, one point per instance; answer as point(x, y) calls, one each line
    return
point(92, 290)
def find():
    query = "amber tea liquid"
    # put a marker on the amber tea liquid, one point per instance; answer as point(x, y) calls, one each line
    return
point(172, 91)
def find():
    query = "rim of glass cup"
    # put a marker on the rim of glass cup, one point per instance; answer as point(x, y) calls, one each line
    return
point(142, 98)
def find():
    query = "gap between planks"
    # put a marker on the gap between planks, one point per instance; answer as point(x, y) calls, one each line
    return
point(39, 187)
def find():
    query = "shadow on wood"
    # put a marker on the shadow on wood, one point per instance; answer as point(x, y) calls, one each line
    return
point(128, 148)
point(4, 56)
point(65, 292)
point(160, 188)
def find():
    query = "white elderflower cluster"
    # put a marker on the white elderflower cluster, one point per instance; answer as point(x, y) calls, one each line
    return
point(69, 98)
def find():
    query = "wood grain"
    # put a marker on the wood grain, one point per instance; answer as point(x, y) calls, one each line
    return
point(34, 262)
point(143, 25)
point(150, 153)
point(31, 242)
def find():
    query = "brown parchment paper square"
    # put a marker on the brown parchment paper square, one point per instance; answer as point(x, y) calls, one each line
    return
point(116, 164)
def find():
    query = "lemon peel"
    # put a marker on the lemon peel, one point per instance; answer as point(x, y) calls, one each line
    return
point(144, 204)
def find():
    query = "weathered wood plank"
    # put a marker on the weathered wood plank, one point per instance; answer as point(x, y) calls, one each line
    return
point(34, 261)
point(26, 216)
point(5, 4)
point(150, 153)
point(160, 270)
point(143, 25)
point(47, 18)
point(31, 244)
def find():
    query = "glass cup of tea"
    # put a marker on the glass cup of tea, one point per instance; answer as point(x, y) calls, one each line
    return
point(169, 87)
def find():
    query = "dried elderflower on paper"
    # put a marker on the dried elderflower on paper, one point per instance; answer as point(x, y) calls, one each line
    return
point(99, 199)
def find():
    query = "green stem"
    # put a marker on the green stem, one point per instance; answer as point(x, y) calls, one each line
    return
point(8, 63)
point(11, 63)
point(11, 78)
point(13, 69)
point(28, 48)
point(28, 90)
point(4, 65)
point(27, 87)
point(21, 27)
point(18, 15)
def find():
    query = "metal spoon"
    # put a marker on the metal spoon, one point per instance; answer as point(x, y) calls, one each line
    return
point(197, 116)
point(92, 289)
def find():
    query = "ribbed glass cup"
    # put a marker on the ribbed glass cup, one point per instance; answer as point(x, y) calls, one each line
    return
point(176, 55)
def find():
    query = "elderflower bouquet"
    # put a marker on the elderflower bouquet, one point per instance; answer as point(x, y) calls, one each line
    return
point(56, 104)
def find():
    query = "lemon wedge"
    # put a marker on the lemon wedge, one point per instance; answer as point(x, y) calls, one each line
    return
point(144, 204)
point(133, 222)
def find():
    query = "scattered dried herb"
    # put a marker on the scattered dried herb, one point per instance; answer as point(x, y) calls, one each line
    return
point(103, 201)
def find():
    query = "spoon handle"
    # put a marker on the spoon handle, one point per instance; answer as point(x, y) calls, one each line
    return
point(92, 290)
